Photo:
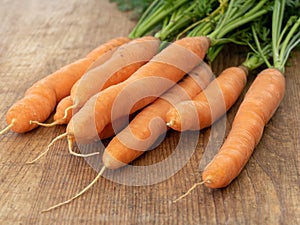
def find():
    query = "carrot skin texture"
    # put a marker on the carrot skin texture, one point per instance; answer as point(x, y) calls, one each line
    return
point(40, 99)
point(144, 129)
point(166, 65)
point(257, 108)
point(123, 63)
point(102, 76)
point(211, 104)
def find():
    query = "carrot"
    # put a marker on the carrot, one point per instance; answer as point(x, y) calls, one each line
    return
point(123, 63)
point(211, 104)
point(100, 109)
point(155, 77)
point(107, 70)
point(40, 99)
point(149, 124)
point(152, 79)
point(258, 106)
point(105, 73)
point(260, 103)
point(117, 154)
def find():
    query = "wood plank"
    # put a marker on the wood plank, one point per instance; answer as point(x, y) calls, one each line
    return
point(39, 37)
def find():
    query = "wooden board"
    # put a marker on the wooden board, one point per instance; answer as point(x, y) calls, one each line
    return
point(38, 37)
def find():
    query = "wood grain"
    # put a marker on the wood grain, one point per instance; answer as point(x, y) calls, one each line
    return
point(38, 37)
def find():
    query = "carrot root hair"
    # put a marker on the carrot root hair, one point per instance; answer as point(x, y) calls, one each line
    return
point(79, 194)
point(6, 129)
point(190, 190)
point(70, 147)
point(48, 147)
point(67, 110)
point(57, 122)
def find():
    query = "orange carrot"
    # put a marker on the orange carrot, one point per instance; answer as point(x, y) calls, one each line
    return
point(149, 124)
point(210, 104)
point(123, 63)
point(103, 74)
point(152, 79)
point(117, 155)
point(257, 108)
point(40, 100)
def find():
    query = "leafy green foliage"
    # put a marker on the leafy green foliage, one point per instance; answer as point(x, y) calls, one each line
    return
point(137, 7)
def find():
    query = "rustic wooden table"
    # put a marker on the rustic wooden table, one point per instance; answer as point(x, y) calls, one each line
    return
point(38, 37)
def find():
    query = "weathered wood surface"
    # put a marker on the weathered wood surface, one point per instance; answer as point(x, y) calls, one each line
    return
point(38, 37)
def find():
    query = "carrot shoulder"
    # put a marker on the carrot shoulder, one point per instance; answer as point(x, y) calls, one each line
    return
point(257, 108)
point(40, 100)
point(149, 124)
point(152, 79)
point(211, 104)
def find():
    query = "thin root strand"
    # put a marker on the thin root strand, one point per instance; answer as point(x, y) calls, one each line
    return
point(79, 194)
point(70, 146)
point(57, 122)
point(66, 111)
point(8, 127)
point(189, 191)
point(48, 147)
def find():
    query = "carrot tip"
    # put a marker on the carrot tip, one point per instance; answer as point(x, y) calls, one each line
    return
point(79, 194)
point(189, 191)
point(8, 127)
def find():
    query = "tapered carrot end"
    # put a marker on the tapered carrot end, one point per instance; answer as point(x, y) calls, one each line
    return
point(110, 162)
point(79, 194)
point(189, 191)
point(6, 129)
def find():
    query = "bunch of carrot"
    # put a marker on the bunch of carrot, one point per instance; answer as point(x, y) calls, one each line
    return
point(147, 79)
